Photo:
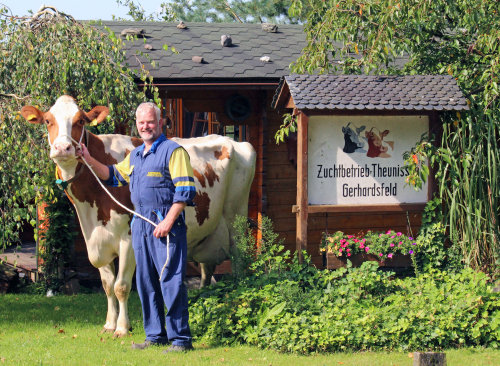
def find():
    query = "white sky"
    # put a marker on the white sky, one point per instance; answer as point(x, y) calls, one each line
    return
point(80, 9)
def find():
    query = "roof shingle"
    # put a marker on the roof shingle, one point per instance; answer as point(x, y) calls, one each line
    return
point(371, 92)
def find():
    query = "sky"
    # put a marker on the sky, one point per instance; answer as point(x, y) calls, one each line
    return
point(81, 9)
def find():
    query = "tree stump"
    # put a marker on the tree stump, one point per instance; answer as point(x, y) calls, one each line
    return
point(429, 359)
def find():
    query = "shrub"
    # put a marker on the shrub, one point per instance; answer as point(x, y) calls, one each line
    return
point(350, 309)
point(293, 307)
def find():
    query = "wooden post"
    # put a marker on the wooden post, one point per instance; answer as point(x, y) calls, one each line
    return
point(302, 200)
point(429, 359)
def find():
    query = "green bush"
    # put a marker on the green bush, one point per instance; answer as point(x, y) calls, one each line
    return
point(293, 307)
point(351, 309)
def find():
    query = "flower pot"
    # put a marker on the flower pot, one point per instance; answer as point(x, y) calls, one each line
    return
point(397, 261)
point(334, 262)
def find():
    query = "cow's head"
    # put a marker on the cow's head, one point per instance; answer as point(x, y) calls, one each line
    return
point(64, 121)
point(376, 139)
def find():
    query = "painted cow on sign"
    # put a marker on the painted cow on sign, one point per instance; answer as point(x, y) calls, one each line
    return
point(223, 170)
point(377, 146)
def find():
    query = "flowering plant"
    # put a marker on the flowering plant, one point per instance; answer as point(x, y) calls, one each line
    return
point(382, 244)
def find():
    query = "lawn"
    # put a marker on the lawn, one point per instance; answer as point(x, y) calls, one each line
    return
point(65, 330)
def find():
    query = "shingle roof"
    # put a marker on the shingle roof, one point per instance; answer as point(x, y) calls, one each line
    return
point(369, 92)
point(242, 60)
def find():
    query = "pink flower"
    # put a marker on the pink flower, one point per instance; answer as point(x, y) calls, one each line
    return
point(380, 254)
point(411, 251)
point(342, 241)
point(392, 237)
point(350, 236)
point(379, 235)
point(348, 250)
point(388, 232)
point(361, 246)
point(392, 244)
point(367, 249)
point(389, 255)
point(414, 244)
point(348, 254)
point(410, 238)
point(399, 233)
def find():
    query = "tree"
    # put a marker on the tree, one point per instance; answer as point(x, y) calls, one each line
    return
point(216, 11)
point(460, 38)
point(41, 58)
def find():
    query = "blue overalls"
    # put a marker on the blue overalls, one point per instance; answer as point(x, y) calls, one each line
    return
point(152, 193)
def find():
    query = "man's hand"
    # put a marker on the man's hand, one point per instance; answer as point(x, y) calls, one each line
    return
point(166, 224)
point(100, 169)
point(162, 229)
point(82, 151)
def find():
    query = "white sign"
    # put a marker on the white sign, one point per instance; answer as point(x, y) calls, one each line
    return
point(359, 159)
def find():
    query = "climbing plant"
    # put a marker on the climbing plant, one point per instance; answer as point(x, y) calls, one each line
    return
point(459, 38)
point(43, 57)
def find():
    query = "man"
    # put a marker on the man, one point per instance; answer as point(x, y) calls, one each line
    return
point(161, 184)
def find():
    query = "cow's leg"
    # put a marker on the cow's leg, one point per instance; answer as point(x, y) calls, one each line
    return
point(207, 271)
point(108, 282)
point(123, 286)
point(211, 251)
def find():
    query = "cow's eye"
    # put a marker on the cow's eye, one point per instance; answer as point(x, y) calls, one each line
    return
point(47, 121)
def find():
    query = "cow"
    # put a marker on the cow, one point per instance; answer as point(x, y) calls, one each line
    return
point(223, 170)
point(376, 148)
point(352, 142)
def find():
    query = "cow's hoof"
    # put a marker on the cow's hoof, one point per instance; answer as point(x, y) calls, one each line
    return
point(119, 333)
point(107, 330)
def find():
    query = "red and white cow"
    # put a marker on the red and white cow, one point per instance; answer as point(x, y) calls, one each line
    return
point(223, 169)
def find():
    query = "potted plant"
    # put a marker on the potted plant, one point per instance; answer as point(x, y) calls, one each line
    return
point(389, 248)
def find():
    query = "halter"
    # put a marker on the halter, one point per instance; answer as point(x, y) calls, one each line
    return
point(64, 183)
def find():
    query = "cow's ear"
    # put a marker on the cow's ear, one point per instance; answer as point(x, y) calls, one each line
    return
point(32, 114)
point(385, 133)
point(97, 114)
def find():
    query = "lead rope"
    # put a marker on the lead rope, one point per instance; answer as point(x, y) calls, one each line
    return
point(79, 143)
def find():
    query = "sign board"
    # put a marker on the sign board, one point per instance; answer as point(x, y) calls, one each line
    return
point(358, 160)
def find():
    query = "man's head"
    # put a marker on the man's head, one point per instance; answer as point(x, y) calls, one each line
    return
point(149, 122)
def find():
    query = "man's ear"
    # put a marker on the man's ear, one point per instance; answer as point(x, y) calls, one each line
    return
point(97, 114)
point(32, 114)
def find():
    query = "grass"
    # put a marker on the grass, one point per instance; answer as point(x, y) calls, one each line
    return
point(65, 330)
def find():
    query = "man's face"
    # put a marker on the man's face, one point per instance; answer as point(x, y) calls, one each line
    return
point(147, 126)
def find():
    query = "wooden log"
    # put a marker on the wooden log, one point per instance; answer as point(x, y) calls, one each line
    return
point(429, 359)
